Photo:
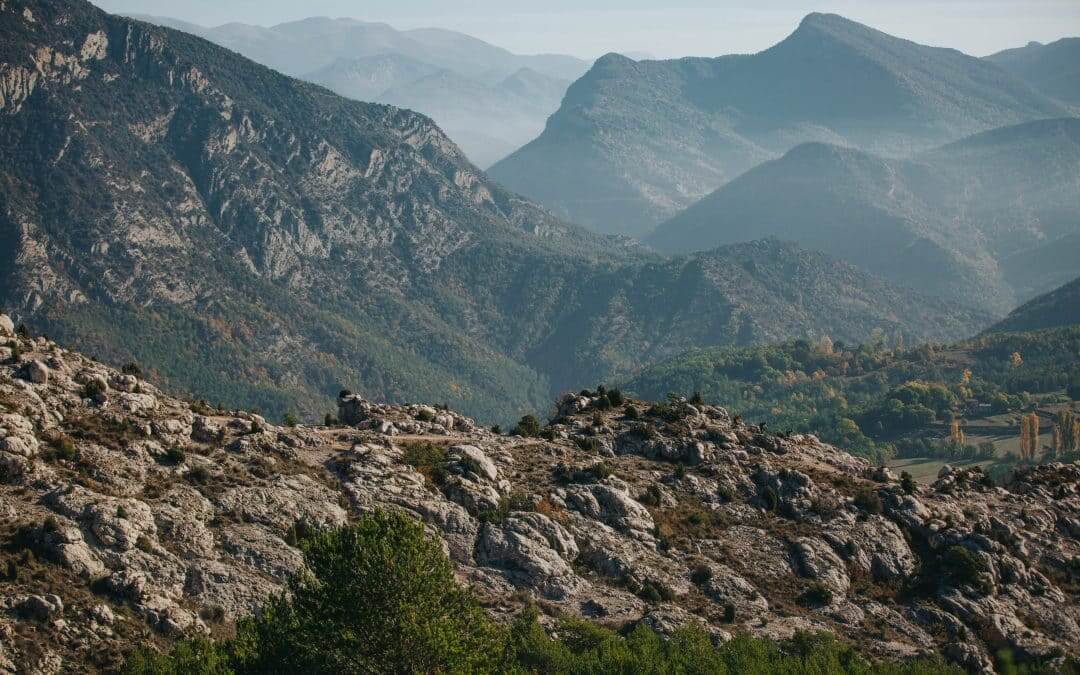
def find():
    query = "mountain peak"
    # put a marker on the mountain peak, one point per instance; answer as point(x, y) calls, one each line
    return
point(822, 20)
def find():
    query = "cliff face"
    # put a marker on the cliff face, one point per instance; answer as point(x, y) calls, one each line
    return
point(132, 516)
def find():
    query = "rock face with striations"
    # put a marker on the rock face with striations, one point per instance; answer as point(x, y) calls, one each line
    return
point(149, 517)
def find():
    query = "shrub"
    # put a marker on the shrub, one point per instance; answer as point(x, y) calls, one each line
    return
point(497, 430)
point(696, 399)
point(198, 656)
point(212, 614)
point(63, 447)
point(175, 455)
point(630, 412)
point(701, 574)
point(516, 501)
point(818, 595)
point(330, 420)
point(680, 471)
point(587, 443)
point(121, 512)
point(907, 483)
point(729, 613)
point(825, 506)
point(590, 474)
point(425, 415)
point(527, 426)
point(651, 496)
point(962, 566)
point(132, 368)
point(771, 499)
point(616, 398)
point(869, 501)
point(93, 390)
point(289, 419)
point(427, 458)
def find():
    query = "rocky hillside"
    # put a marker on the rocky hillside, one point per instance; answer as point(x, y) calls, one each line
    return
point(265, 242)
point(989, 220)
point(131, 517)
point(1053, 69)
point(1060, 307)
point(635, 142)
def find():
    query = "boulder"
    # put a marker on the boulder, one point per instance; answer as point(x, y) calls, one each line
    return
point(535, 550)
point(611, 505)
point(725, 587)
point(472, 459)
point(7, 326)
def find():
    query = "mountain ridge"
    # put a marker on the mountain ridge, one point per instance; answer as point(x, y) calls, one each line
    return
point(1050, 68)
point(948, 220)
point(371, 61)
point(1060, 307)
point(635, 142)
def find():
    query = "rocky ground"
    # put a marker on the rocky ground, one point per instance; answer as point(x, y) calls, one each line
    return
point(130, 516)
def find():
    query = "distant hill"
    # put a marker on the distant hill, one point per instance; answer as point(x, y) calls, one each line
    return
point(489, 100)
point(488, 121)
point(748, 293)
point(1060, 307)
point(257, 239)
point(878, 399)
point(987, 220)
point(635, 142)
point(1053, 69)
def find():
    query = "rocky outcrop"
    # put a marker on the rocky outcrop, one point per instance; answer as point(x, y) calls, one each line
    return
point(173, 517)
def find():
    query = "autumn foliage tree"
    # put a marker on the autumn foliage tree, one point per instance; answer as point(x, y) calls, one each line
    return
point(956, 434)
point(1029, 436)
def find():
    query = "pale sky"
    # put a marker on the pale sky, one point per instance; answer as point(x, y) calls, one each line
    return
point(672, 28)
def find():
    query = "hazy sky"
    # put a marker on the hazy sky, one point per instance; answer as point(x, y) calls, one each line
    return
point(662, 28)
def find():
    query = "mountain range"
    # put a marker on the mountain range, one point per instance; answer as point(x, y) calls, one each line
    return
point(489, 100)
point(254, 238)
point(989, 220)
point(633, 143)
